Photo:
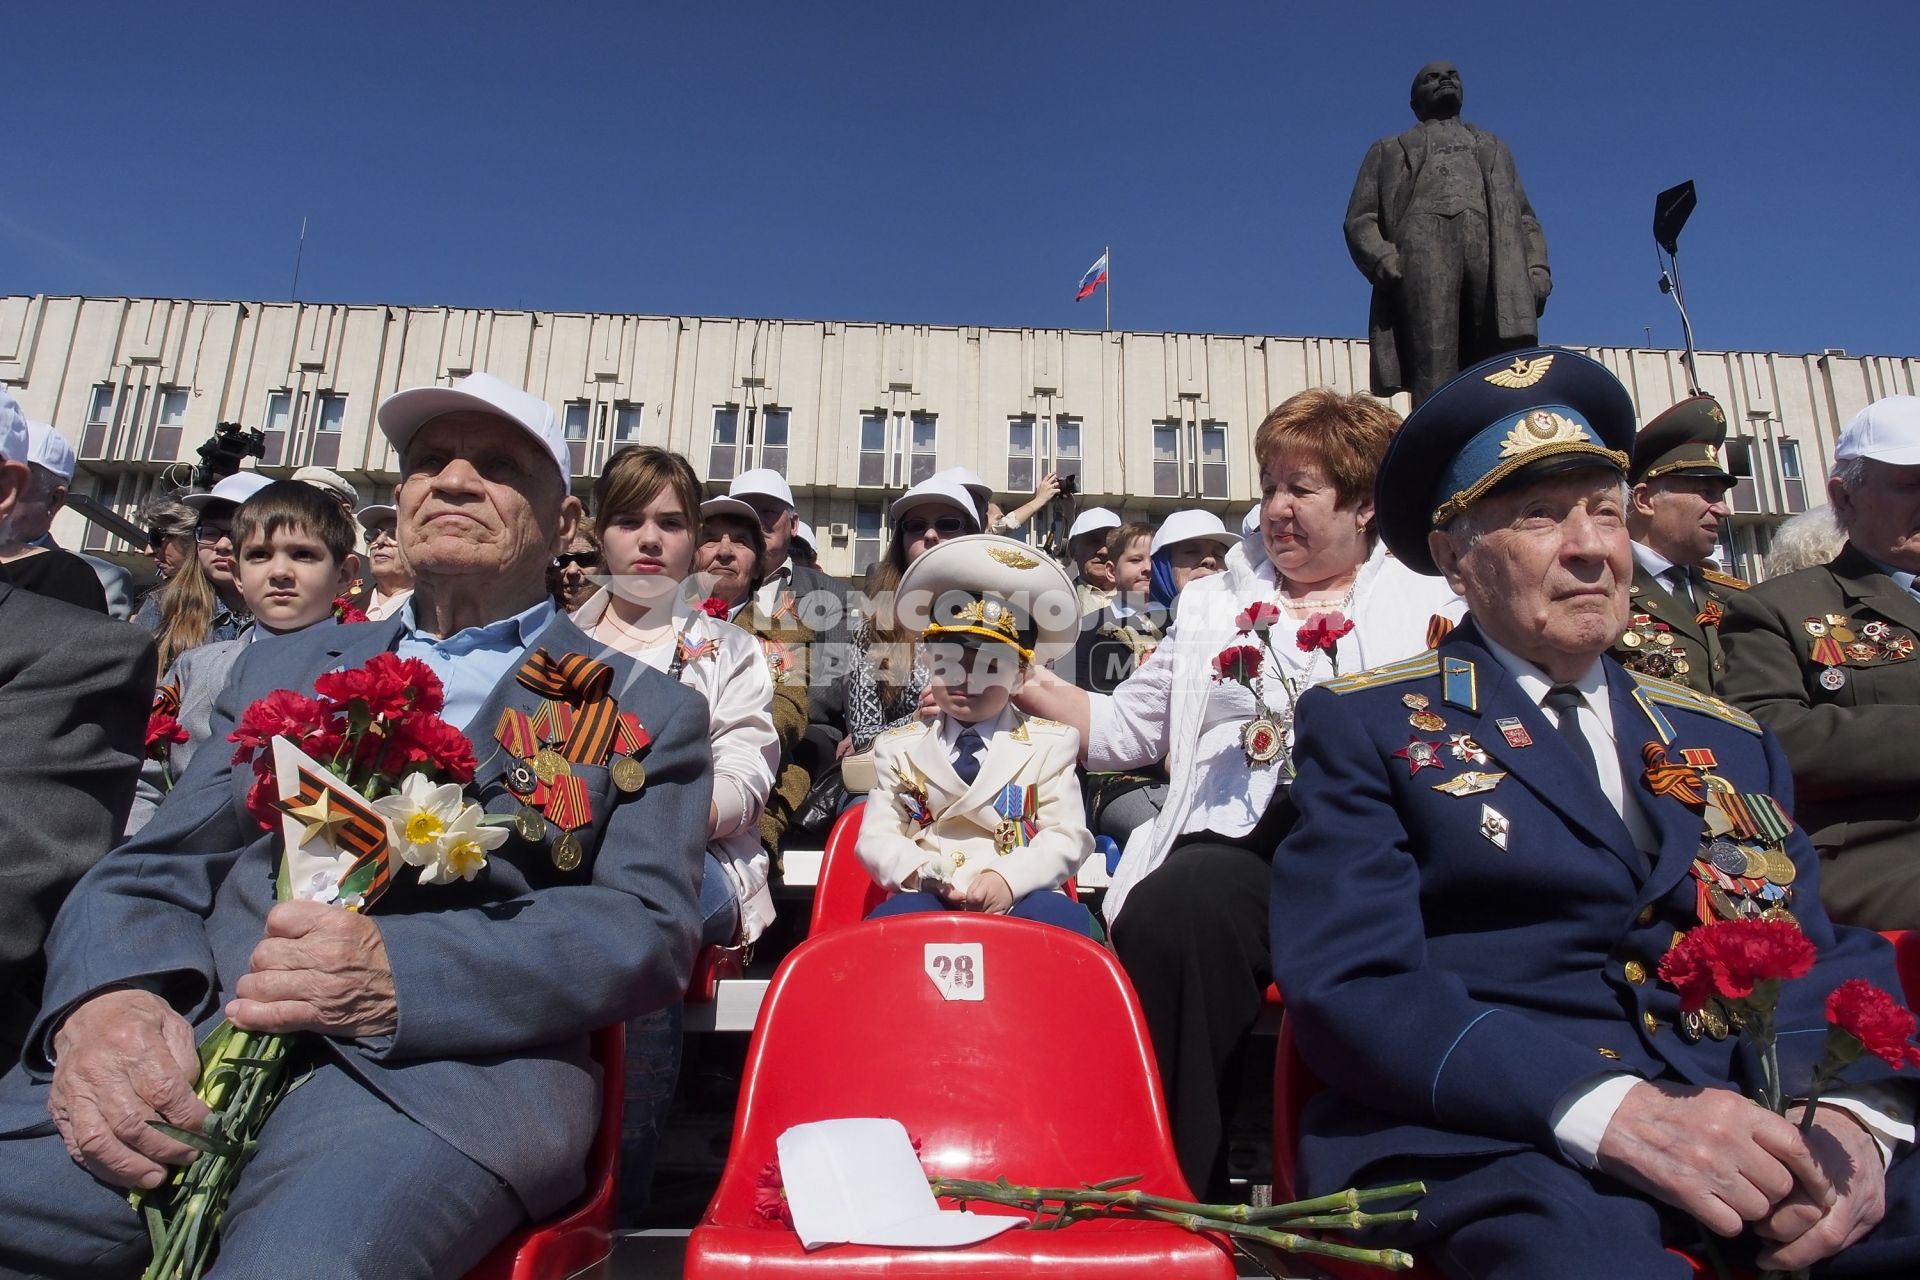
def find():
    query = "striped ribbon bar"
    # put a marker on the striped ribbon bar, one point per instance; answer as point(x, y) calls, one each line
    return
point(1699, 757)
point(515, 733)
point(166, 700)
point(363, 834)
point(567, 805)
point(1734, 805)
point(584, 685)
point(631, 736)
point(1769, 818)
point(1827, 652)
point(1665, 778)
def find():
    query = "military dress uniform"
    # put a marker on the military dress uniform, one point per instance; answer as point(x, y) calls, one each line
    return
point(1826, 658)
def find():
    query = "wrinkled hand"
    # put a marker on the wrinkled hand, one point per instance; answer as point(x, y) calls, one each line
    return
point(320, 968)
point(987, 892)
point(1710, 1153)
point(122, 1059)
point(1803, 1232)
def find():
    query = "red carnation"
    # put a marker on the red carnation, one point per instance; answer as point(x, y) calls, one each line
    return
point(1240, 662)
point(282, 713)
point(429, 744)
point(388, 686)
point(1728, 958)
point(163, 731)
point(770, 1196)
point(263, 800)
point(715, 607)
point(1322, 632)
point(1876, 1020)
point(1258, 617)
point(343, 611)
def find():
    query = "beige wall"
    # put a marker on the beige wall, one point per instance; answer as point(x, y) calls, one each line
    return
point(229, 357)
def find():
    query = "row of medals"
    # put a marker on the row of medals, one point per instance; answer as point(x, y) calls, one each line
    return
point(627, 773)
point(1657, 653)
point(1872, 642)
point(1744, 881)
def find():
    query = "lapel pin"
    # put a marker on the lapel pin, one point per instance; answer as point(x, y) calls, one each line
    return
point(1471, 783)
point(1514, 732)
point(1494, 826)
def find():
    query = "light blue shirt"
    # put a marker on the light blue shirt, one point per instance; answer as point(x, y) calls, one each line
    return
point(1901, 577)
point(471, 662)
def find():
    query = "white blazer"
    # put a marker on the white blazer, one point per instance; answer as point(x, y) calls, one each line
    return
point(1158, 712)
point(1041, 753)
point(738, 687)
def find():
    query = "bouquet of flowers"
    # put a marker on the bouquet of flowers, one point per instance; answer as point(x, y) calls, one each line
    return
point(364, 769)
point(1265, 736)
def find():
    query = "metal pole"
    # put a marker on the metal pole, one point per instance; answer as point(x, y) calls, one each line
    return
point(293, 294)
point(1108, 255)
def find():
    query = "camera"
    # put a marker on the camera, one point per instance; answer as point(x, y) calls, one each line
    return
point(1070, 485)
point(220, 455)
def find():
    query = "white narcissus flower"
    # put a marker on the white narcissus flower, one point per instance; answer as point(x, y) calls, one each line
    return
point(419, 817)
point(463, 849)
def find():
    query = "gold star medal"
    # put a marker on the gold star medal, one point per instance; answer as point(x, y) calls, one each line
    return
point(322, 823)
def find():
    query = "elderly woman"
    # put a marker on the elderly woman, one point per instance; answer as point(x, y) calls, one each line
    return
point(1187, 546)
point(1188, 904)
point(392, 575)
point(884, 680)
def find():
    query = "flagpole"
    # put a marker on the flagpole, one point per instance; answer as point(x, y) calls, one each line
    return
point(1109, 257)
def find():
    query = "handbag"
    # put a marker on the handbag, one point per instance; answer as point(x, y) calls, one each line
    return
point(826, 797)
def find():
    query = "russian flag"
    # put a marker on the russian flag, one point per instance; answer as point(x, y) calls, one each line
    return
point(1095, 277)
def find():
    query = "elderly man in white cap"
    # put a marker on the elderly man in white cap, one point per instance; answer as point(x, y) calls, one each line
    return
point(1092, 561)
point(451, 1093)
point(52, 461)
point(1826, 659)
point(392, 575)
point(331, 482)
point(26, 560)
point(790, 590)
point(74, 690)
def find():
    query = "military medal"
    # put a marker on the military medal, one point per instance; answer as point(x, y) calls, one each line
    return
point(521, 780)
point(1003, 837)
point(528, 824)
point(566, 852)
point(1833, 679)
point(1840, 627)
point(1419, 754)
point(911, 789)
point(1016, 806)
point(1471, 783)
point(628, 774)
point(1514, 732)
point(549, 764)
point(1494, 826)
point(1465, 749)
point(1262, 740)
point(1875, 631)
point(1899, 647)
point(629, 740)
point(1421, 718)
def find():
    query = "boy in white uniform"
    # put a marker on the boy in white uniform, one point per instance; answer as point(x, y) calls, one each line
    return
point(979, 808)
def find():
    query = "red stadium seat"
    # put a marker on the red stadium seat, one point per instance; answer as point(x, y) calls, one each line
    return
point(844, 893)
point(1294, 1085)
point(853, 1025)
point(582, 1237)
point(1906, 956)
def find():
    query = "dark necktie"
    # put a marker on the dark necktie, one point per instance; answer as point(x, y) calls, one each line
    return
point(1564, 701)
point(968, 763)
point(1680, 583)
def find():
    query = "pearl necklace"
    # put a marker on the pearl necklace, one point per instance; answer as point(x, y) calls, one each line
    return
point(1294, 604)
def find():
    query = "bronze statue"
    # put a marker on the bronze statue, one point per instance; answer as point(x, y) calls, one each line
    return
point(1439, 223)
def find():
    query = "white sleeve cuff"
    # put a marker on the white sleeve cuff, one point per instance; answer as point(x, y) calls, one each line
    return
point(1885, 1109)
point(1582, 1116)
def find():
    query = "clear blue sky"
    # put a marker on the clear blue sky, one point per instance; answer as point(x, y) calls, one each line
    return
point(956, 164)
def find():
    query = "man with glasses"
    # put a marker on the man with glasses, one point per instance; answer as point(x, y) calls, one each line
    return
point(788, 587)
point(392, 575)
point(213, 535)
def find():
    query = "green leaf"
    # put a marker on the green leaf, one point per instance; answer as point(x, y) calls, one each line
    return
point(356, 882)
point(215, 1043)
point(200, 1142)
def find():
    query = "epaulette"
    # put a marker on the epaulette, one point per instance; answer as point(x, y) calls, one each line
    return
point(1414, 668)
point(1727, 580)
point(1041, 722)
point(899, 730)
point(1653, 692)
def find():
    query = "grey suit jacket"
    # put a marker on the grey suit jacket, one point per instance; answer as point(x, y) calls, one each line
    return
point(198, 675)
point(74, 693)
point(498, 981)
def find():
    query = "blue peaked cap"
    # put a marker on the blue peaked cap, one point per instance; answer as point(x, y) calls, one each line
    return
point(1524, 413)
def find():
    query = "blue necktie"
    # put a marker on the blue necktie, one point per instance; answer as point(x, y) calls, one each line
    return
point(1563, 700)
point(968, 764)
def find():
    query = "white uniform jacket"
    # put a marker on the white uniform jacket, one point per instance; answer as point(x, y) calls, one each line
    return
point(919, 808)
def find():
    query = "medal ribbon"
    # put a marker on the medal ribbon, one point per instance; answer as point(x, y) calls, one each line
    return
point(567, 806)
point(1016, 804)
point(166, 700)
point(584, 684)
point(364, 834)
point(1827, 652)
point(515, 734)
point(1698, 757)
point(1734, 805)
point(630, 737)
point(1770, 821)
point(1711, 615)
point(1665, 778)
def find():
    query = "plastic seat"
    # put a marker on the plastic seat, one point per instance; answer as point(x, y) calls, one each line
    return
point(844, 893)
point(853, 1025)
point(1294, 1085)
point(582, 1237)
point(1906, 957)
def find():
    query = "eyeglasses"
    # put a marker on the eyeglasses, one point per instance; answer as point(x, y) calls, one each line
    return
point(210, 533)
point(382, 534)
point(577, 560)
point(947, 526)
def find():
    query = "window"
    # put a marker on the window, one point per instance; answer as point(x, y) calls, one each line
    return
point(1020, 455)
point(925, 434)
point(575, 424)
point(868, 537)
point(1189, 459)
point(898, 449)
point(723, 459)
point(773, 439)
point(747, 437)
point(276, 426)
point(873, 448)
point(1793, 485)
point(1036, 446)
point(626, 424)
point(1066, 446)
point(329, 417)
point(168, 426)
point(94, 440)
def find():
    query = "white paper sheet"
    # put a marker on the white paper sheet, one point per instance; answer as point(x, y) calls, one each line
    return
point(857, 1181)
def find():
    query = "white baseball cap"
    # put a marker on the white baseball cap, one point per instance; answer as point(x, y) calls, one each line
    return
point(329, 480)
point(236, 488)
point(1092, 520)
point(13, 431)
point(1186, 526)
point(47, 448)
point(803, 532)
point(981, 491)
point(405, 412)
point(727, 505)
point(377, 515)
point(1887, 431)
point(761, 482)
point(942, 489)
point(1250, 522)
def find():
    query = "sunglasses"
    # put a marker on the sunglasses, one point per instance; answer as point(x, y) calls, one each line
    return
point(577, 560)
point(211, 533)
point(946, 526)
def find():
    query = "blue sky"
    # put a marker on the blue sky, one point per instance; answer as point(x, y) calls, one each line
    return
point(955, 164)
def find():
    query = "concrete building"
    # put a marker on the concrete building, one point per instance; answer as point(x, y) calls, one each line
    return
point(851, 413)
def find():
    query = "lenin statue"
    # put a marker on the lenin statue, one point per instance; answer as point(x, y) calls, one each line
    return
point(1441, 226)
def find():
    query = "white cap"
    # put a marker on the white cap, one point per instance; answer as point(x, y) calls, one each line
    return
point(373, 517)
point(1092, 520)
point(236, 488)
point(761, 482)
point(1887, 431)
point(729, 506)
point(47, 448)
point(1250, 522)
point(331, 481)
point(982, 491)
point(405, 412)
point(13, 430)
point(1185, 526)
point(803, 532)
point(942, 489)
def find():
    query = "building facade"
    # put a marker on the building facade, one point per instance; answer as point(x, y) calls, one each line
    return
point(851, 413)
